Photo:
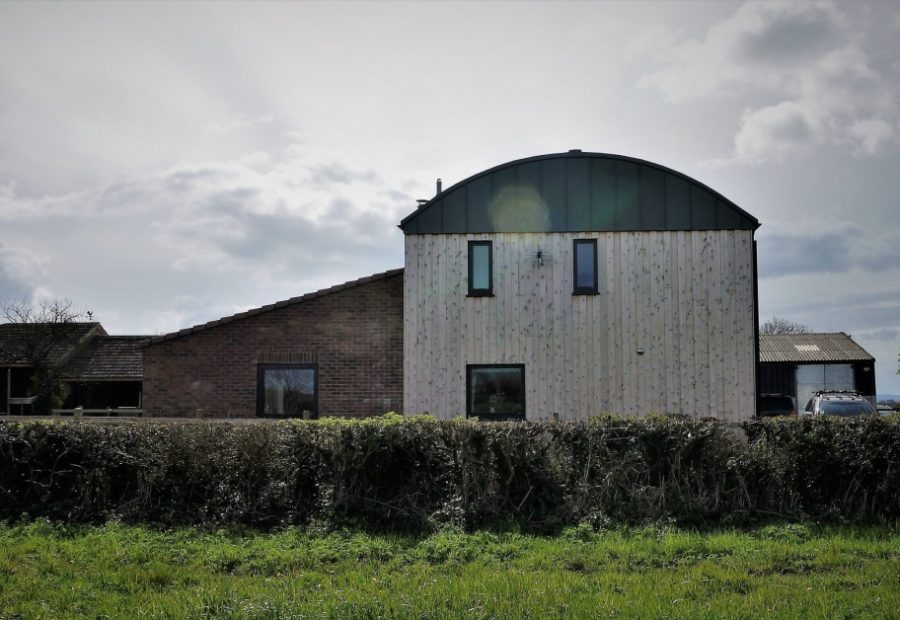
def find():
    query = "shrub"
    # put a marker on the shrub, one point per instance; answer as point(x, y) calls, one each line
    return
point(840, 469)
point(419, 474)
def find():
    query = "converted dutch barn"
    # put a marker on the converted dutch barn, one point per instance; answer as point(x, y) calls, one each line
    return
point(572, 284)
point(562, 286)
point(798, 365)
point(332, 352)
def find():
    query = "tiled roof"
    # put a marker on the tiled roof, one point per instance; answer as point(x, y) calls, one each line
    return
point(58, 341)
point(275, 306)
point(836, 347)
point(108, 357)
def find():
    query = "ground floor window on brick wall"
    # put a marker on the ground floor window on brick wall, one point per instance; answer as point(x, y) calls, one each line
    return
point(288, 391)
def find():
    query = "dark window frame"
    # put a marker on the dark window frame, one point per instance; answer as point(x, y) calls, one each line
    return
point(584, 290)
point(480, 292)
point(261, 388)
point(500, 416)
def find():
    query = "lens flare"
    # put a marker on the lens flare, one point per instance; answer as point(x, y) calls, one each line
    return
point(519, 209)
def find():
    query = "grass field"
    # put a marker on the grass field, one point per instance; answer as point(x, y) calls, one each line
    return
point(785, 571)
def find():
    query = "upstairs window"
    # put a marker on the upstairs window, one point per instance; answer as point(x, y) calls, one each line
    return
point(481, 276)
point(287, 391)
point(585, 267)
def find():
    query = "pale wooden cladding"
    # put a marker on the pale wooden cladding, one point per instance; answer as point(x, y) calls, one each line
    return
point(684, 297)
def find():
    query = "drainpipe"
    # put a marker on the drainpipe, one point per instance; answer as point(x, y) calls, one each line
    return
point(756, 329)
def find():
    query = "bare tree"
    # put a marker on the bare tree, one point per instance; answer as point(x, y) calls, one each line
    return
point(46, 332)
point(780, 325)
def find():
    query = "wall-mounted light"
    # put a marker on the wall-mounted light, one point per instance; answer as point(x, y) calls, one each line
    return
point(640, 351)
point(540, 257)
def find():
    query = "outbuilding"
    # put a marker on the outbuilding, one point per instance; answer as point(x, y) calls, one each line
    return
point(800, 364)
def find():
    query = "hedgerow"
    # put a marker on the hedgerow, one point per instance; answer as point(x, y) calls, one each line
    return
point(420, 474)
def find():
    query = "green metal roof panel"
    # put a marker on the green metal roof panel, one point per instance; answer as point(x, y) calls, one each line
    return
point(454, 211)
point(678, 203)
point(478, 193)
point(652, 193)
point(577, 192)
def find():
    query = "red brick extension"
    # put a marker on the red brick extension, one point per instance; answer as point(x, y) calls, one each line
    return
point(354, 332)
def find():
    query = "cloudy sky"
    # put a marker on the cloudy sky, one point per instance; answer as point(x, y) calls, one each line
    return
point(168, 164)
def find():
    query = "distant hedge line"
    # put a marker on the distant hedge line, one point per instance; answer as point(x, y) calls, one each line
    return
point(418, 474)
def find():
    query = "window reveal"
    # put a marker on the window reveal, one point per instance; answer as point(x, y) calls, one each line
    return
point(585, 267)
point(495, 392)
point(287, 390)
point(481, 277)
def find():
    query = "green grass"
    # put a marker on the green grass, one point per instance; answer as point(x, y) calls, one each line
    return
point(116, 571)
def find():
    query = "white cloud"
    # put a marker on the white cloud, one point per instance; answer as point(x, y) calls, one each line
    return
point(872, 135)
point(776, 132)
point(806, 66)
point(213, 236)
point(241, 122)
point(20, 270)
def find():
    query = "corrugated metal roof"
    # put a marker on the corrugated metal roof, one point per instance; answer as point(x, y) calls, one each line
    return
point(834, 347)
point(574, 192)
point(108, 357)
point(275, 306)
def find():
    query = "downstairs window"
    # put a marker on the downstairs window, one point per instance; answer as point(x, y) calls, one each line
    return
point(287, 391)
point(496, 391)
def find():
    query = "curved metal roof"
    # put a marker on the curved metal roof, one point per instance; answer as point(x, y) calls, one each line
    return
point(577, 192)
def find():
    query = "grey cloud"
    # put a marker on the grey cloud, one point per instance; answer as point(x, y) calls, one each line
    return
point(860, 317)
point(881, 334)
point(783, 254)
point(878, 252)
point(808, 71)
point(120, 194)
point(835, 251)
point(12, 289)
point(230, 201)
point(220, 236)
point(884, 298)
point(399, 197)
point(228, 223)
point(369, 223)
point(20, 272)
point(843, 310)
point(329, 174)
point(293, 238)
point(242, 122)
point(781, 33)
point(185, 180)
point(775, 132)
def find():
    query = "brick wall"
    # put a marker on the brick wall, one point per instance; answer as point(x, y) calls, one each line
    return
point(354, 335)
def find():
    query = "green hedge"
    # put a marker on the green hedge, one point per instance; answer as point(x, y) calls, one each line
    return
point(417, 474)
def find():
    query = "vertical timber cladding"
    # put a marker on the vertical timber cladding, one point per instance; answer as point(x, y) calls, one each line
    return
point(684, 298)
